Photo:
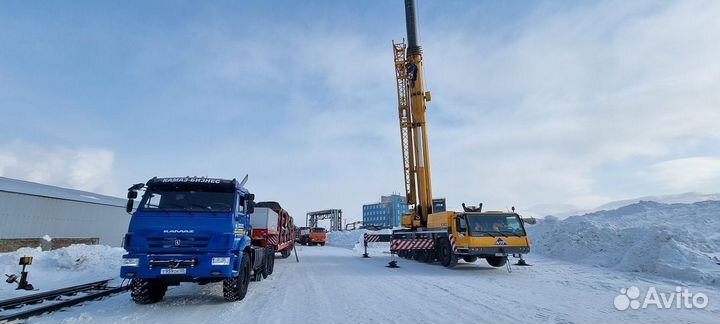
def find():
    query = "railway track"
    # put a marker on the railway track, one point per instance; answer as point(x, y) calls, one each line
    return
point(27, 306)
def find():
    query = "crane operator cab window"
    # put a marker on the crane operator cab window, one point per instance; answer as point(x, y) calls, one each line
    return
point(495, 225)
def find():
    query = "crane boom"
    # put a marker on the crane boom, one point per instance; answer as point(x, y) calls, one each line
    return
point(413, 126)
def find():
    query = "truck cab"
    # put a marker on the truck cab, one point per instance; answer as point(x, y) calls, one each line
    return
point(317, 236)
point(190, 229)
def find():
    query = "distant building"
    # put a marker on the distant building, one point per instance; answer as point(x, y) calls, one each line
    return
point(35, 215)
point(387, 212)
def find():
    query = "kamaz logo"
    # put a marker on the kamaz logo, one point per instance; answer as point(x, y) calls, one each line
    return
point(178, 231)
point(500, 242)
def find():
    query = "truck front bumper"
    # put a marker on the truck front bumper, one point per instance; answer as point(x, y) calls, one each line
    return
point(492, 251)
point(178, 267)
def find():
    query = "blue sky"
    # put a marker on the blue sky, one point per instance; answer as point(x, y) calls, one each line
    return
point(533, 102)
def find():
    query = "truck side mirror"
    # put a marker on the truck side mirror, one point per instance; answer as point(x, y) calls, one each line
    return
point(250, 198)
point(129, 206)
point(132, 194)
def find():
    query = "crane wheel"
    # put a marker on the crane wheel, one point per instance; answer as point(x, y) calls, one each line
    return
point(496, 261)
point(447, 258)
point(470, 259)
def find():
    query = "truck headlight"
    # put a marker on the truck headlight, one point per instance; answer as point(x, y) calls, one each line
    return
point(222, 261)
point(130, 262)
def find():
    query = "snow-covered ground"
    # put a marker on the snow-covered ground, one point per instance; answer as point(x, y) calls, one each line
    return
point(73, 265)
point(676, 241)
point(336, 285)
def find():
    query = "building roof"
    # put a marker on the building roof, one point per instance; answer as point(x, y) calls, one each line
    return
point(47, 191)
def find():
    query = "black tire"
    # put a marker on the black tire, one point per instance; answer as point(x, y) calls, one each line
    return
point(416, 255)
point(445, 253)
point(496, 261)
point(427, 256)
point(470, 259)
point(147, 291)
point(322, 244)
point(236, 288)
point(286, 253)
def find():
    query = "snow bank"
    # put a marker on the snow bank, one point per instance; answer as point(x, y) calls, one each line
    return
point(354, 239)
point(75, 264)
point(677, 241)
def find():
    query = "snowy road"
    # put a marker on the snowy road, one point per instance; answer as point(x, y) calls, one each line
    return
point(335, 285)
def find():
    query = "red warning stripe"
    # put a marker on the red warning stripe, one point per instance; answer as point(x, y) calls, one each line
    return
point(412, 244)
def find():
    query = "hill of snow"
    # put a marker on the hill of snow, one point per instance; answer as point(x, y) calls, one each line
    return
point(567, 210)
point(676, 241)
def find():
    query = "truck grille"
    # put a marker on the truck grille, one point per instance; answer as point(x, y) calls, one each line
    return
point(177, 242)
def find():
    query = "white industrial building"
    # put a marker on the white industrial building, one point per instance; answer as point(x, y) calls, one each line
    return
point(31, 211)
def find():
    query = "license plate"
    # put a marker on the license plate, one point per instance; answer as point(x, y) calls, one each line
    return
point(172, 271)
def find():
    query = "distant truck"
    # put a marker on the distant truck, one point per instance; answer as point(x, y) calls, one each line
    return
point(191, 229)
point(272, 227)
point(317, 236)
point(302, 235)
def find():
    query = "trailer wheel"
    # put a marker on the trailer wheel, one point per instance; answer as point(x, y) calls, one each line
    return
point(236, 288)
point(447, 258)
point(286, 252)
point(496, 261)
point(147, 291)
point(322, 244)
point(470, 259)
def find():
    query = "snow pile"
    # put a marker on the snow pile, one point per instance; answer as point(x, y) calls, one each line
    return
point(677, 241)
point(75, 264)
point(354, 239)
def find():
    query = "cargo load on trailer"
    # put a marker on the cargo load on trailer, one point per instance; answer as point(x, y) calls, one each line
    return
point(272, 227)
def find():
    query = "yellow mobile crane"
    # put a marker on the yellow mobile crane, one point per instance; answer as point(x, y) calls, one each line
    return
point(430, 232)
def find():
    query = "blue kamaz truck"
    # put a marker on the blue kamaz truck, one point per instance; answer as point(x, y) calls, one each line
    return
point(191, 229)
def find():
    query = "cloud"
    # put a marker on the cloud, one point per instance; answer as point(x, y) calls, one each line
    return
point(88, 169)
point(566, 92)
point(686, 174)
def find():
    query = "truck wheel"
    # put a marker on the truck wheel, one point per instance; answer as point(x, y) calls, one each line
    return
point(236, 288)
point(447, 258)
point(285, 253)
point(322, 244)
point(147, 291)
point(496, 261)
point(470, 259)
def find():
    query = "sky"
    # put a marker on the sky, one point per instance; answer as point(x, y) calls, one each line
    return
point(534, 103)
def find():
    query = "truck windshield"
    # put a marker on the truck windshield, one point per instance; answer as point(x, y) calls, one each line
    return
point(495, 225)
point(190, 200)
